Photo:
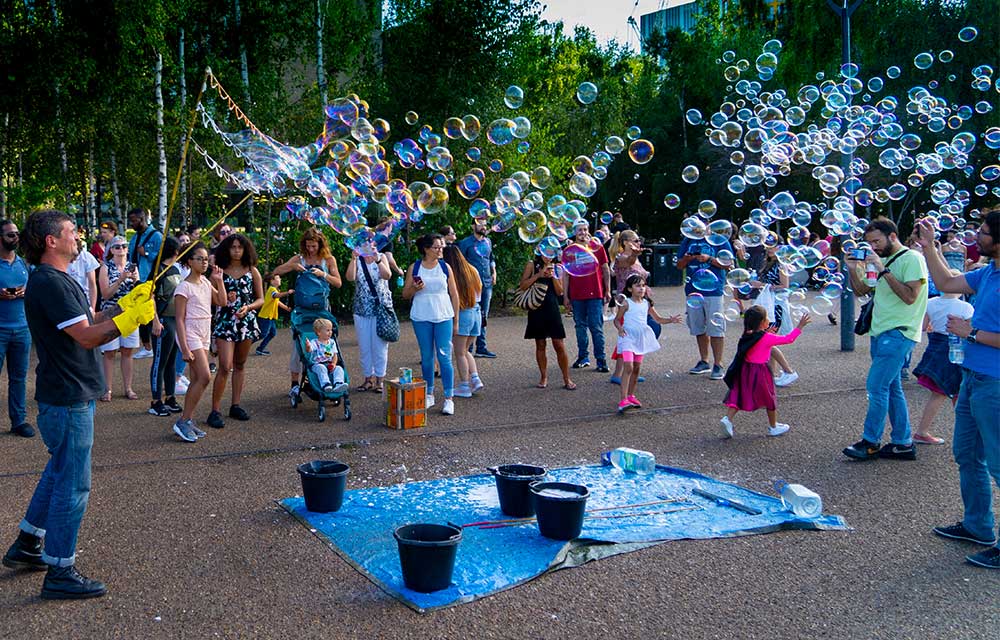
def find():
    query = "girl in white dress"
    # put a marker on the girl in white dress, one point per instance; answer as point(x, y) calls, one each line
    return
point(635, 337)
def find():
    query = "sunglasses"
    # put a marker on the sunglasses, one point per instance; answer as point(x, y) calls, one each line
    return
point(119, 246)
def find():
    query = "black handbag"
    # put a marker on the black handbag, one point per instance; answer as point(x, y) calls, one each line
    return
point(386, 322)
point(864, 322)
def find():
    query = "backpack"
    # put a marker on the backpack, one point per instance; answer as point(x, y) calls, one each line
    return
point(312, 293)
point(444, 267)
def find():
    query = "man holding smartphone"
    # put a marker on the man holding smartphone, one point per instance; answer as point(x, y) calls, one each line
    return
point(705, 322)
point(15, 339)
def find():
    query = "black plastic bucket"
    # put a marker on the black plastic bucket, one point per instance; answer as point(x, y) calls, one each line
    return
point(512, 487)
point(560, 517)
point(323, 483)
point(427, 554)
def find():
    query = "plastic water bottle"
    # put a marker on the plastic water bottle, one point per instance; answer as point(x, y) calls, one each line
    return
point(803, 502)
point(871, 274)
point(633, 461)
point(956, 350)
point(399, 281)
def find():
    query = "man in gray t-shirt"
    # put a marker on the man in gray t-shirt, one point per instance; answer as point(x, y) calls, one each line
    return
point(478, 250)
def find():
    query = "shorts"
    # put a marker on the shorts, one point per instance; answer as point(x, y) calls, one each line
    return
point(699, 321)
point(628, 356)
point(199, 333)
point(131, 341)
point(470, 321)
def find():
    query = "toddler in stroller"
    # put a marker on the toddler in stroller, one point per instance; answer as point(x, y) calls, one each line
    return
point(325, 376)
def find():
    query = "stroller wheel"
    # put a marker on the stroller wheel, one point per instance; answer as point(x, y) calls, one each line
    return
point(322, 413)
point(347, 408)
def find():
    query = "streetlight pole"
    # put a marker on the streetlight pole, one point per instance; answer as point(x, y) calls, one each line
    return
point(845, 9)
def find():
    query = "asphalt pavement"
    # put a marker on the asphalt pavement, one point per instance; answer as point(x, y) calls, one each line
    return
point(191, 543)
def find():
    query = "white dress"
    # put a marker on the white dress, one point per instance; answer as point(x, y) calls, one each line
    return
point(639, 337)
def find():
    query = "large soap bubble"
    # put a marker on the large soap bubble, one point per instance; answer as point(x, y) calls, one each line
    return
point(586, 93)
point(579, 261)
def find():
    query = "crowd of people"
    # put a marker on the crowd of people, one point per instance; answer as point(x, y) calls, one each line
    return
point(198, 307)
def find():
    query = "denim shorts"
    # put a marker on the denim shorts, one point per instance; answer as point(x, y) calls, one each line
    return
point(470, 321)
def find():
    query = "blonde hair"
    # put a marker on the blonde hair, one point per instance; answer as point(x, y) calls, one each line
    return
point(322, 323)
point(618, 242)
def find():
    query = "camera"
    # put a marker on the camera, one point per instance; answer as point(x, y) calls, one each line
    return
point(859, 254)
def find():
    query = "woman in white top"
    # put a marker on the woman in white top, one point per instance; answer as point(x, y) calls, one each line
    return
point(430, 285)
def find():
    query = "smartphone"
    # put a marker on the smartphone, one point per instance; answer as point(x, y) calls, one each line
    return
point(859, 254)
point(11, 290)
point(417, 280)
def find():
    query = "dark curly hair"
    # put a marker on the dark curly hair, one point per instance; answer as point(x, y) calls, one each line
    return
point(222, 258)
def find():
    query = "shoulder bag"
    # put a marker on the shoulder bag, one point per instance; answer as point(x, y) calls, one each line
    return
point(864, 322)
point(386, 322)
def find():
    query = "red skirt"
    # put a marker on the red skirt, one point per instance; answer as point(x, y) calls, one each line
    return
point(754, 389)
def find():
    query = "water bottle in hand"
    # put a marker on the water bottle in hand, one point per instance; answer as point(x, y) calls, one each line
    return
point(803, 502)
point(633, 461)
point(956, 350)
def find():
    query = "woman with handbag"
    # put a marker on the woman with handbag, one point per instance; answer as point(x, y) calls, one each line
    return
point(470, 317)
point(772, 274)
point(372, 299)
point(539, 292)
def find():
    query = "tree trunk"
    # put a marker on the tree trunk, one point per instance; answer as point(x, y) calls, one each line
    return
point(4, 175)
point(91, 189)
point(60, 132)
point(684, 129)
point(320, 70)
point(116, 203)
point(245, 75)
point(183, 95)
point(162, 173)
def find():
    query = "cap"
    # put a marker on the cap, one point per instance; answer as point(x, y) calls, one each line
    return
point(110, 226)
point(580, 222)
point(119, 240)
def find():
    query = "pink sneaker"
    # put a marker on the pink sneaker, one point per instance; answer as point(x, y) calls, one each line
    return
point(623, 405)
point(633, 401)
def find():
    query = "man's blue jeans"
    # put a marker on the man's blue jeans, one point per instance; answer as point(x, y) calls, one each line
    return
point(15, 347)
point(484, 308)
point(588, 315)
point(434, 338)
point(976, 445)
point(61, 496)
point(889, 351)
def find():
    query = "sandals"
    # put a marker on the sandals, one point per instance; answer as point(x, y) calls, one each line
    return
point(367, 386)
point(106, 397)
point(131, 395)
point(570, 386)
point(377, 388)
point(922, 439)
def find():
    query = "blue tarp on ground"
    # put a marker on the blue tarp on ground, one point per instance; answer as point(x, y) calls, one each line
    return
point(490, 560)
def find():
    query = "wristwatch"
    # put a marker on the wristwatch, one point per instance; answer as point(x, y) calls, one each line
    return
point(971, 338)
point(883, 272)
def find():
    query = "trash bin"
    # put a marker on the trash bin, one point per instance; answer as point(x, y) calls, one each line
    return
point(664, 271)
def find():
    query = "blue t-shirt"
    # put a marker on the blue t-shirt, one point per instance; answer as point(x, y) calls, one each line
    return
point(151, 239)
point(13, 274)
point(473, 249)
point(979, 357)
point(697, 247)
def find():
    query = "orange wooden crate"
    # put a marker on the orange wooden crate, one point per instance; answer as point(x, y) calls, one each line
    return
point(405, 404)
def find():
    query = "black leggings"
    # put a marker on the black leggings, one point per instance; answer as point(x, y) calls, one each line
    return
point(162, 374)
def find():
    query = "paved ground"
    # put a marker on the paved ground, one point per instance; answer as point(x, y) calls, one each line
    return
point(192, 544)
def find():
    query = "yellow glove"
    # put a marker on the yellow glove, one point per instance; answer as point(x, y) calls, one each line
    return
point(140, 293)
point(130, 319)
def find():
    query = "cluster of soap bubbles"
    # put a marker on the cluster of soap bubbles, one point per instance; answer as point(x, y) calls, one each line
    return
point(917, 140)
point(335, 180)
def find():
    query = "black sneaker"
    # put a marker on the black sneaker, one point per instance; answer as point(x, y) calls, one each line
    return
point(215, 420)
point(25, 553)
point(602, 367)
point(172, 406)
point(898, 452)
point(862, 450)
point(700, 368)
point(157, 409)
point(237, 412)
point(958, 531)
point(989, 559)
point(24, 430)
point(66, 583)
point(484, 353)
point(581, 363)
point(211, 367)
point(717, 373)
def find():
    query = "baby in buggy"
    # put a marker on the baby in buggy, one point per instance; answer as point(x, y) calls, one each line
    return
point(324, 358)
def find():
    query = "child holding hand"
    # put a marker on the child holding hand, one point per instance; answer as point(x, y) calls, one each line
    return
point(635, 337)
point(750, 382)
point(324, 357)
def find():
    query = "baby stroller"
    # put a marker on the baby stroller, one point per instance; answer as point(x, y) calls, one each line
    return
point(302, 330)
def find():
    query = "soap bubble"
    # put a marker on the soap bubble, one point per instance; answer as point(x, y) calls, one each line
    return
point(513, 97)
point(470, 127)
point(473, 154)
point(501, 131)
point(412, 117)
point(693, 116)
point(483, 248)
point(606, 217)
point(532, 227)
point(695, 301)
point(541, 178)
point(689, 174)
point(693, 228)
point(822, 305)
point(736, 184)
point(583, 185)
point(738, 277)
point(633, 133)
point(947, 55)
point(707, 209)
point(586, 93)
point(766, 63)
point(641, 151)
point(968, 34)
point(705, 280)
point(614, 144)
point(579, 261)
point(453, 128)
point(496, 166)
point(893, 72)
point(752, 234)
point(725, 257)
point(672, 200)
point(923, 60)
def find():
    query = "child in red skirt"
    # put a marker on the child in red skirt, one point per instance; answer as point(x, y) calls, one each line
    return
point(751, 385)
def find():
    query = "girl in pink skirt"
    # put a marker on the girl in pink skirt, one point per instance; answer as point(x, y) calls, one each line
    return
point(751, 385)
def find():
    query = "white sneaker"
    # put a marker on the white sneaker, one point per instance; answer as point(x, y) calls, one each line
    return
point(180, 387)
point(448, 408)
point(477, 384)
point(786, 379)
point(340, 387)
point(183, 379)
point(430, 401)
point(778, 429)
point(727, 427)
point(463, 391)
point(142, 353)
